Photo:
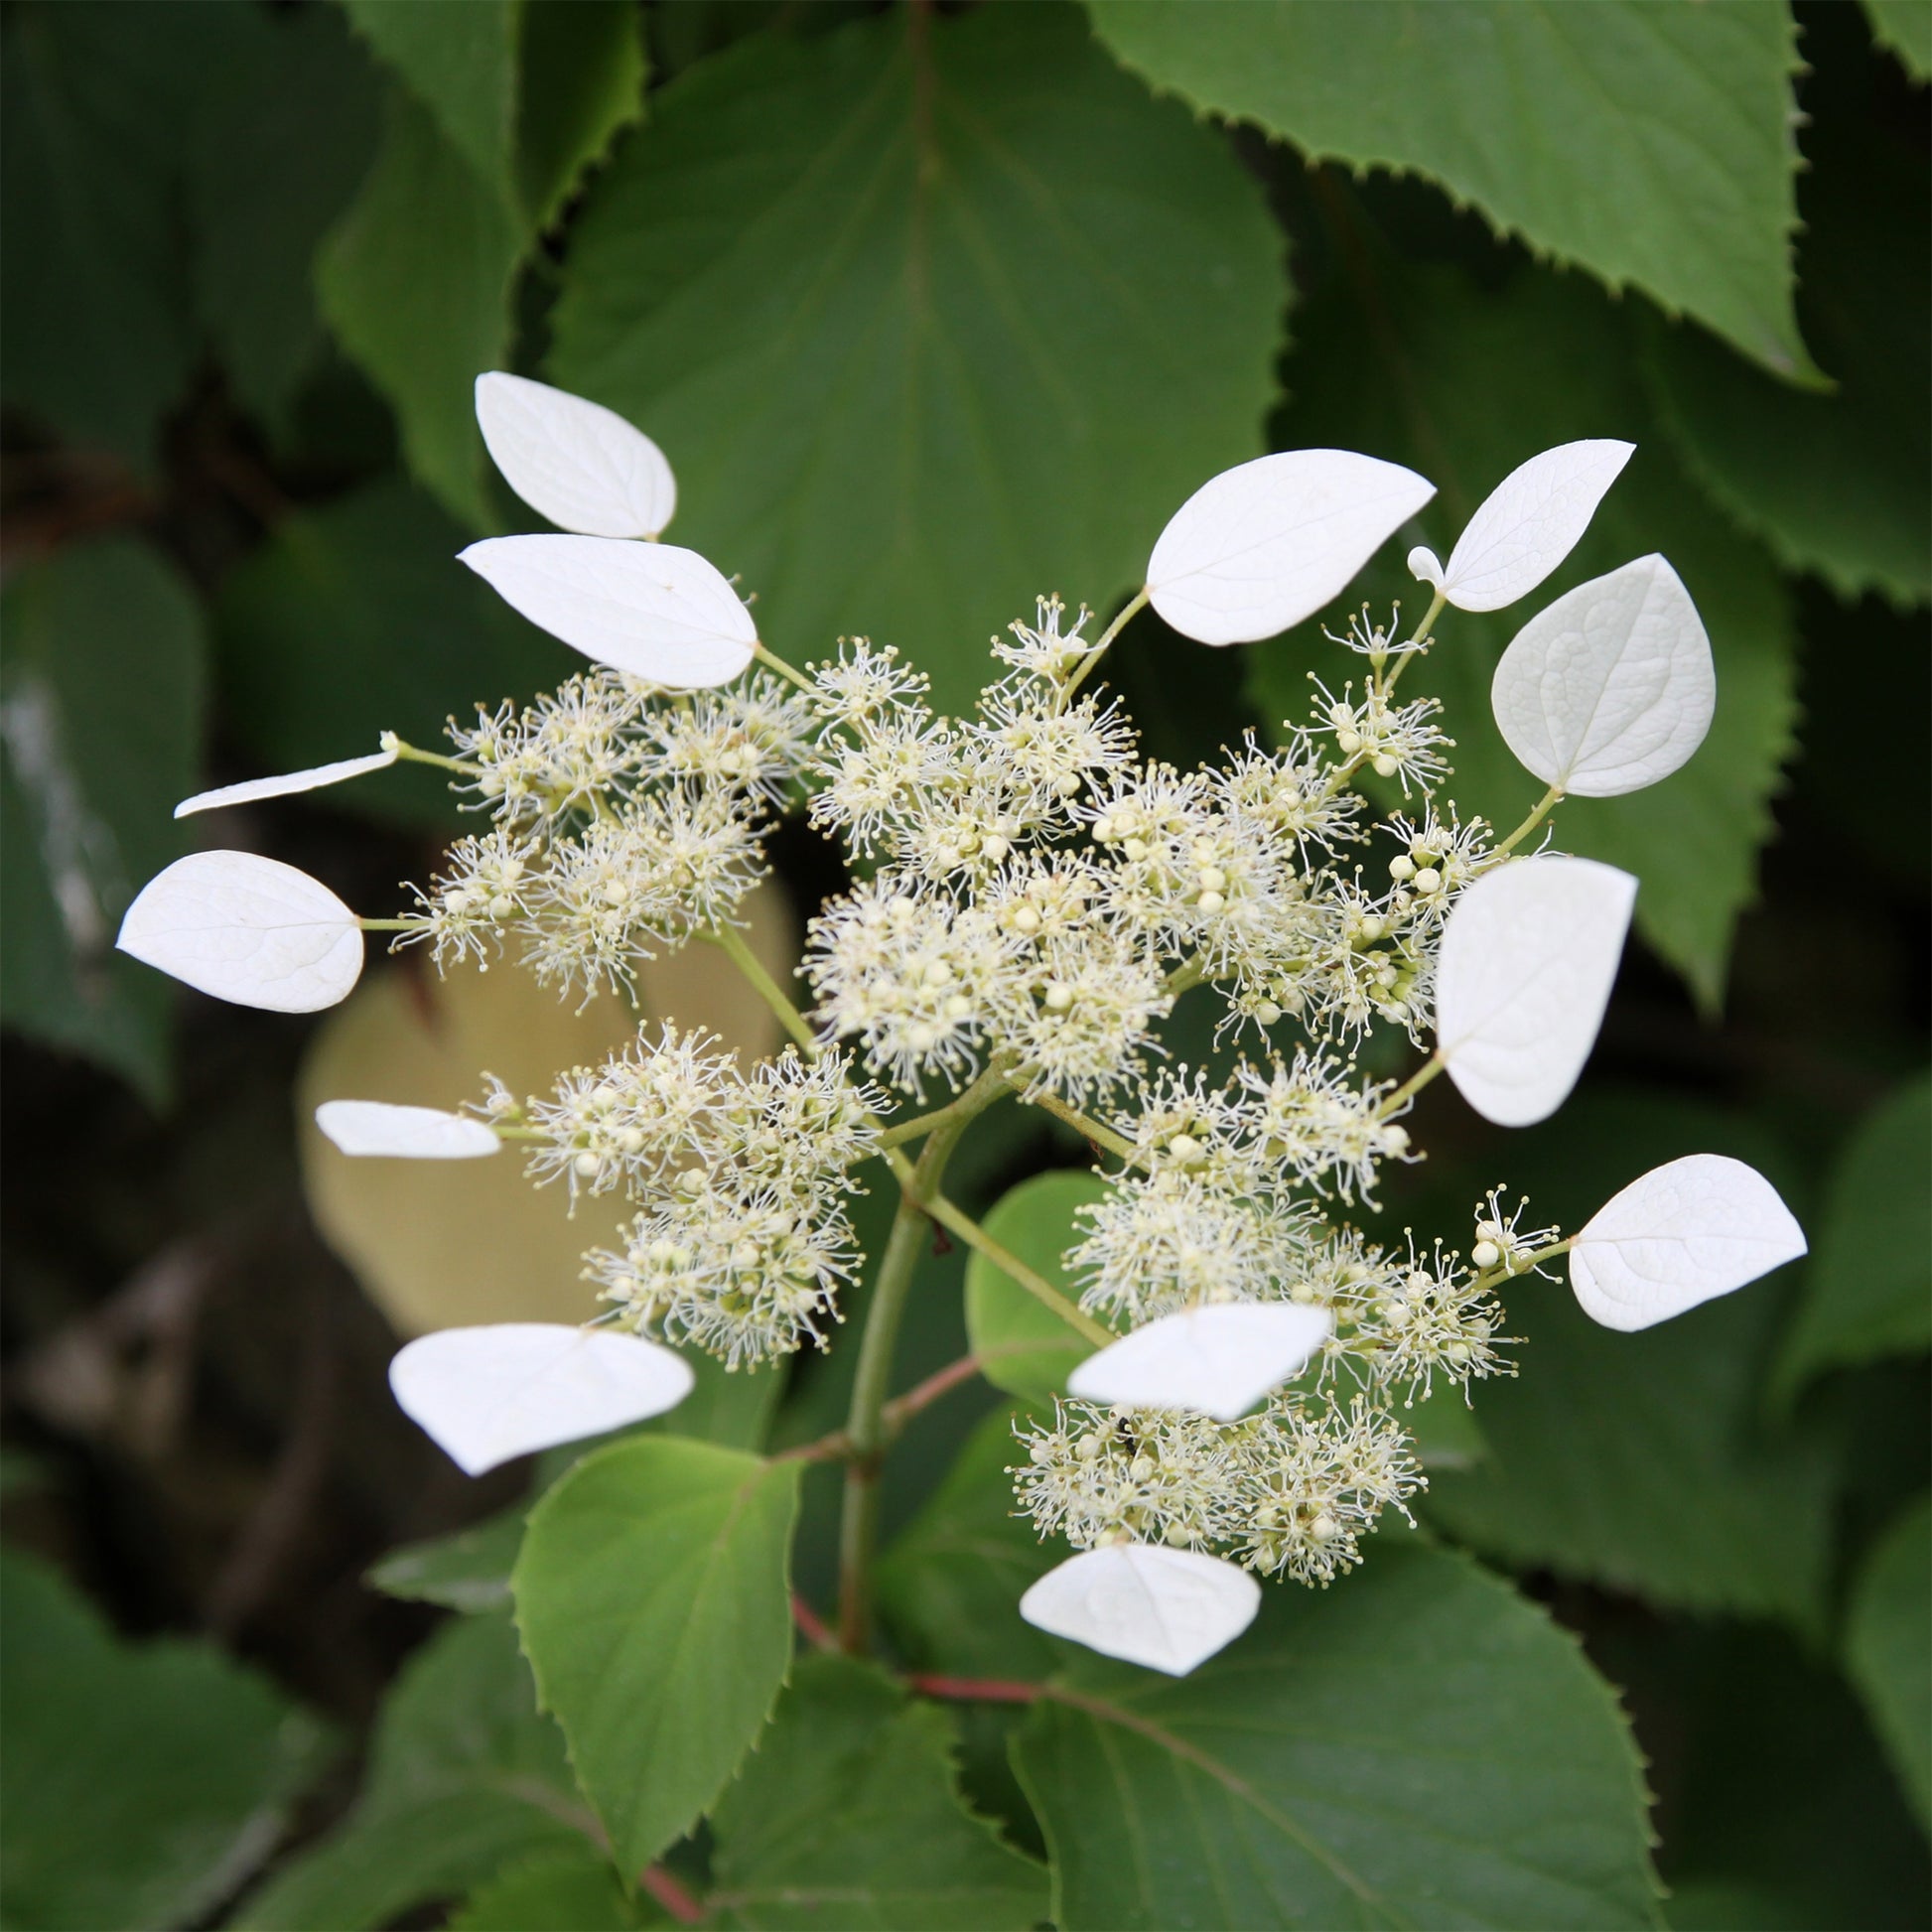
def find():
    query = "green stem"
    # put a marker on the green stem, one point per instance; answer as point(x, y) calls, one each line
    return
point(730, 942)
point(1545, 805)
point(1415, 639)
point(1092, 1129)
point(990, 1086)
point(414, 754)
point(1495, 1277)
point(773, 662)
point(1134, 605)
point(1412, 1086)
point(391, 925)
point(1043, 1291)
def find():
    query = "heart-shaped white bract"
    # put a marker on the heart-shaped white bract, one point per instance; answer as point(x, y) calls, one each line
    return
point(1268, 543)
point(660, 613)
point(1529, 954)
point(1167, 1609)
point(488, 1394)
point(1682, 1234)
point(1218, 1361)
point(376, 1127)
point(572, 460)
point(250, 789)
point(247, 929)
point(1526, 526)
point(1612, 687)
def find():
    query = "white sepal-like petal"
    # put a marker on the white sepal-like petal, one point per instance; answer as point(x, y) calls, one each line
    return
point(380, 1128)
point(1218, 1361)
point(1612, 687)
point(1528, 524)
point(650, 608)
point(488, 1394)
point(1529, 954)
point(1167, 1609)
point(1682, 1234)
point(247, 929)
point(577, 463)
point(316, 776)
point(1268, 543)
point(1425, 566)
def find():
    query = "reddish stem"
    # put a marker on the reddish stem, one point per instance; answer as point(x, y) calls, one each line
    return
point(979, 1690)
point(671, 1896)
point(811, 1626)
point(902, 1409)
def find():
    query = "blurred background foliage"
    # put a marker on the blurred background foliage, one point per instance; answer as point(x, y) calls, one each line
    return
point(933, 308)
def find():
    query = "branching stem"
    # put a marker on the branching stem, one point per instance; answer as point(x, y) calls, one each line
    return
point(1545, 805)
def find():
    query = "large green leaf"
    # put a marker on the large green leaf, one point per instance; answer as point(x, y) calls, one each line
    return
point(355, 618)
point(1887, 1649)
point(415, 280)
point(1868, 1289)
point(1465, 383)
point(1652, 144)
point(467, 1571)
point(931, 314)
point(467, 1778)
point(1838, 484)
point(1639, 1460)
point(275, 153)
point(583, 75)
point(1414, 1747)
point(1905, 27)
point(1022, 1345)
point(846, 1815)
point(101, 725)
point(98, 1822)
point(653, 1599)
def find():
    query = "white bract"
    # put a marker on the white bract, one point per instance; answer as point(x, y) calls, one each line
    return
point(1529, 954)
point(247, 929)
point(577, 463)
point(1218, 1361)
point(376, 1127)
point(1682, 1234)
point(1526, 526)
point(651, 609)
point(488, 1394)
point(250, 789)
point(1167, 1609)
point(1268, 543)
point(1611, 688)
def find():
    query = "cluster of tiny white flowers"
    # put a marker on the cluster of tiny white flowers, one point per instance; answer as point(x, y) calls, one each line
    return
point(1030, 897)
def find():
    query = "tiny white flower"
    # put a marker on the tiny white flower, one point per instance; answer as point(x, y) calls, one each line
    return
point(488, 1394)
point(1612, 687)
point(1526, 526)
point(314, 776)
point(573, 461)
point(1166, 1609)
point(377, 1127)
point(247, 929)
point(1218, 1361)
point(1684, 1233)
point(660, 613)
point(1268, 543)
point(1529, 954)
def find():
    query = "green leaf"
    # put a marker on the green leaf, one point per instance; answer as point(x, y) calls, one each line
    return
point(101, 1828)
point(848, 1814)
point(415, 280)
point(1651, 144)
point(652, 1596)
point(355, 618)
point(561, 1892)
point(1638, 1460)
point(1838, 484)
point(467, 1778)
point(949, 1585)
point(1887, 1650)
point(582, 79)
point(1905, 27)
point(1465, 382)
point(1869, 1287)
point(459, 63)
point(101, 725)
point(931, 314)
point(1417, 1746)
point(468, 1572)
point(1022, 1345)
point(275, 154)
